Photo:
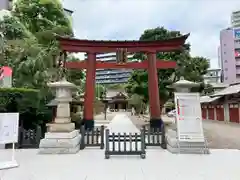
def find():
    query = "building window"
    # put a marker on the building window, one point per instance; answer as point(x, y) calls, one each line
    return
point(226, 69)
point(224, 52)
point(226, 78)
point(225, 61)
point(224, 44)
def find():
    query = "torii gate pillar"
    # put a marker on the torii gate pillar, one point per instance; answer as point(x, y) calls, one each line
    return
point(89, 98)
point(153, 91)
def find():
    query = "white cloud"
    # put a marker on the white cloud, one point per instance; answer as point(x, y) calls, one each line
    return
point(127, 19)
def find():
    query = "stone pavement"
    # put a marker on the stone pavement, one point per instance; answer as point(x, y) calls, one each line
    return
point(90, 164)
point(100, 118)
point(121, 124)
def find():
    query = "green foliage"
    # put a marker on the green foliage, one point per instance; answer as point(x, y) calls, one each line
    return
point(191, 68)
point(28, 102)
point(74, 75)
point(18, 99)
point(137, 102)
point(30, 46)
point(116, 86)
point(12, 28)
point(100, 91)
point(43, 18)
point(24, 101)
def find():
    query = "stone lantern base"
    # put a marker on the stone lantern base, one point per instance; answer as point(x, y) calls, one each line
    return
point(60, 142)
point(176, 147)
point(61, 138)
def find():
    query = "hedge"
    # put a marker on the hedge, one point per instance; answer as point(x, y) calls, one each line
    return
point(20, 100)
point(28, 102)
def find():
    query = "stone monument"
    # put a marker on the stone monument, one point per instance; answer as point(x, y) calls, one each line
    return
point(173, 143)
point(61, 138)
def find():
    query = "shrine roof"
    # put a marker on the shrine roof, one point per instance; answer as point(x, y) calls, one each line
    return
point(112, 94)
point(208, 99)
point(232, 89)
point(86, 42)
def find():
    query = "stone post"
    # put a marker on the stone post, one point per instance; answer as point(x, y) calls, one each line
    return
point(61, 138)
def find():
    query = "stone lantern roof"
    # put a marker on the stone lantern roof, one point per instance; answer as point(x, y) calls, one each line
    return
point(183, 85)
point(62, 84)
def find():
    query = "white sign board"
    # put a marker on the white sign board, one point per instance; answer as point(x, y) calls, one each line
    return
point(9, 134)
point(189, 117)
point(9, 127)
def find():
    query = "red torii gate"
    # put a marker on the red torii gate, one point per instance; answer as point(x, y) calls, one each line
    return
point(92, 47)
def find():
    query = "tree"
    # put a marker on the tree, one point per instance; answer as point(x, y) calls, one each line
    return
point(31, 47)
point(137, 102)
point(75, 76)
point(116, 86)
point(43, 18)
point(191, 68)
point(100, 91)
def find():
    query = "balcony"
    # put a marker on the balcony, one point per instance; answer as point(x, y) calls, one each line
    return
point(237, 61)
point(109, 72)
point(238, 70)
point(125, 75)
point(237, 44)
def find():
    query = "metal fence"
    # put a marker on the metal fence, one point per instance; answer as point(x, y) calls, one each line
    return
point(124, 144)
point(93, 138)
point(28, 139)
point(154, 136)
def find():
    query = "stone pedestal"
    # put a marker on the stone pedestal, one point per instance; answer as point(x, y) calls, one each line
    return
point(60, 143)
point(176, 147)
point(61, 138)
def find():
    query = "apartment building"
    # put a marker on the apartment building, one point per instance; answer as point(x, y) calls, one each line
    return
point(5, 4)
point(111, 76)
point(213, 76)
point(230, 54)
point(235, 18)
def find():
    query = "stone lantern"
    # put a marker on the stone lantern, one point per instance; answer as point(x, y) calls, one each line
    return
point(185, 147)
point(184, 85)
point(61, 138)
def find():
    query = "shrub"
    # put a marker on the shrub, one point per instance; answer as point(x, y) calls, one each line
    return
point(18, 100)
point(22, 100)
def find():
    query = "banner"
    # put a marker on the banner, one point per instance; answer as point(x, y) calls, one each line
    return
point(9, 127)
point(189, 117)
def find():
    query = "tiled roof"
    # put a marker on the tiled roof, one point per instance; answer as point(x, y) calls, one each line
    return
point(113, 93)
point(124, 41)
point(233, 89)
point(207, 99)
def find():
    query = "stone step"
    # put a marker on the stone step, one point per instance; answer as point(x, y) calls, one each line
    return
point(182, 150)
point(174, 142)
point(59, 150)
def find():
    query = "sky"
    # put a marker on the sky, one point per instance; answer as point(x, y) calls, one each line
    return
point(127, 20)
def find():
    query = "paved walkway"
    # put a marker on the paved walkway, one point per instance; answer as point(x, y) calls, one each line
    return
point(221, 135)
point(89, 164)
